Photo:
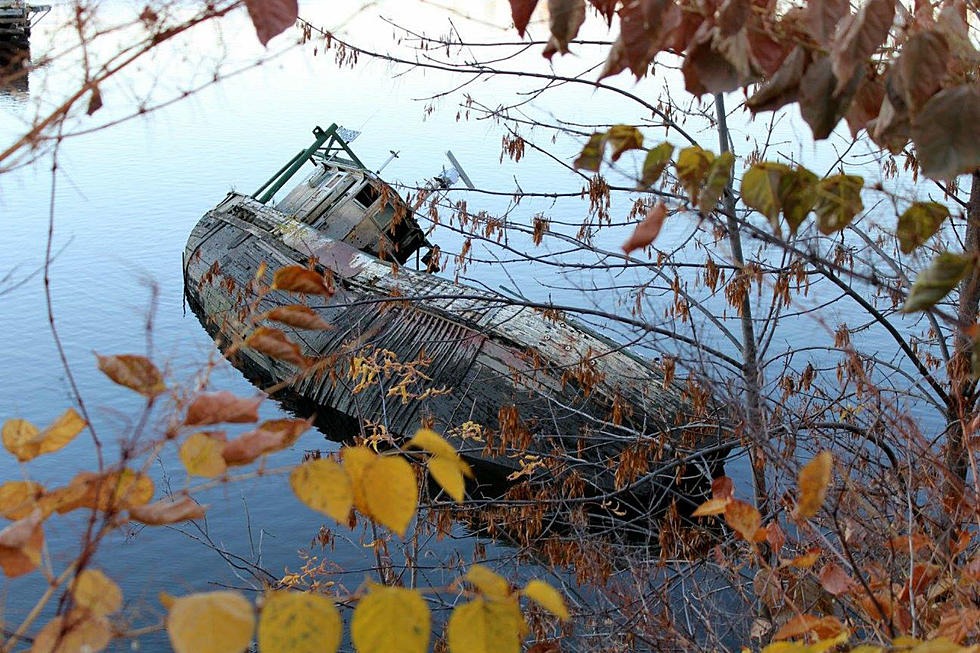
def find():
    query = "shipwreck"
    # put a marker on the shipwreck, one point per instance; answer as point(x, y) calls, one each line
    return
point(521, 392)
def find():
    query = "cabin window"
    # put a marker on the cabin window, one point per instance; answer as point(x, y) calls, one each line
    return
point(366, 196)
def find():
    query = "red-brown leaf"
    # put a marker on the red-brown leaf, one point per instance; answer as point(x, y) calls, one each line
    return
point(821, 17)
point(275, 344)
point(167, 511)
point(521, 11)
point(858, 37)
point(922, 65)
point(782, 88)
point(644, 27)
point(272, 17)
point(295, 278)
point(866, 105)
point(299, 316)
point(648, 230)
point(722, 488)
point(946, 132)
point(606, 8)
point(835, 580)
point(268, 437)
point(217, 407)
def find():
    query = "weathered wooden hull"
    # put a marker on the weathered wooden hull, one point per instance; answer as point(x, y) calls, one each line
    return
point(575, 395)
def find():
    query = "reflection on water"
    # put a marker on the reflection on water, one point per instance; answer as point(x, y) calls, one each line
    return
point(14, 71)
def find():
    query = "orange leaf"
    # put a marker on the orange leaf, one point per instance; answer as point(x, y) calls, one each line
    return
point(272, 17)
point(80, 630)
point(270, 436)
point(804, 561)
point(275, 344)
point(711, 507)
point(217, 407)
point(648, 230)
point(168, 512)
point(134, 372)
point(299, 316)
point(813, 481)
point(743, 518)
point(835, 580)
point(297, 279)
point(20, 545)
point(822, 627)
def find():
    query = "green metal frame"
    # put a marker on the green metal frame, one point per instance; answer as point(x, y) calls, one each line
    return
point(327, 146)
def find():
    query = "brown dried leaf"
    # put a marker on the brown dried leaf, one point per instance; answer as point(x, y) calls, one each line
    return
point(866, 104)
point(94, 101)
point(859, 36)
point(134, 372)
point(299, 316)
point(166, 511)
point(647, 230)
point(272, 17)
point(922, 65)
point(297, 279)
point(565, 19)
point(813, 481)
point(783, 87)
point(946, 132)
point(835, 580)
point(606, 8)
point(275, 344)
point(521, 11)
point(217, 407)
point(821, 105)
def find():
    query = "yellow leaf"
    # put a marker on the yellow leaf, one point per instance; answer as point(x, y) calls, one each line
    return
point(201, 455)
point(356, 461)
point(324, 486)
point(433, 443)
point(166, 511)
point(391, 619)
point(547, 597)
point(391, 492)
point(488, 581)
point(824, 645)
point(134, 372)
point(448, 474)
point(78, 631)
point(485, 626)
point(23, 439)
point(96, 592)
point(822, 627)
point(118, 490)
point(211, 622)
point(813, 481)
point(299, 622)
point(786, 647)
point(19, 498)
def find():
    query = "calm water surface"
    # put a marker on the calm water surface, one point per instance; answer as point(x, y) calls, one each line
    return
point(125, 199)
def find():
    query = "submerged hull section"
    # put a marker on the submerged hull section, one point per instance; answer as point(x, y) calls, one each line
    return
point(539, 386)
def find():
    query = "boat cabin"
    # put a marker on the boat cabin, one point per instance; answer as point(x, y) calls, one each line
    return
point(345, 201)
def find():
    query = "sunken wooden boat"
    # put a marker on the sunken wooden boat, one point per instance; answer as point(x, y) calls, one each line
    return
point(520, 392)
